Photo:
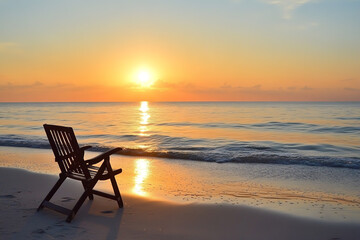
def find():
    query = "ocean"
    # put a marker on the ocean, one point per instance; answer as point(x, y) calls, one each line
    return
point(322, 134)
point(297, 158)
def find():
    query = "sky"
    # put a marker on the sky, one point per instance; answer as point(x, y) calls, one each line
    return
point(179, 50)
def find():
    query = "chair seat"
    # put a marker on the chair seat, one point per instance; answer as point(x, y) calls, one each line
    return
point(93, 171)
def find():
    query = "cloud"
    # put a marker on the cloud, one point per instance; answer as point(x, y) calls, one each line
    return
point(306, 88)
point(260, 93)
point(161, 84)
point(349, 80)
point(309, 25)
point(7, 45)
point(288, 6)
point(41, 92)
point(226, 85)
point(352, 89)
point(11, 86)
point(167, 91)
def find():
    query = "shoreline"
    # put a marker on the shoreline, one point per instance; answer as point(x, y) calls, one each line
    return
point(144, 218)
point(309, 192)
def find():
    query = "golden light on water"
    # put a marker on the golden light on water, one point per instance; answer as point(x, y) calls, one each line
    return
point(144, 118)
point(141, 173)
point(142, 165)
point(144, 106)
point(143, 130)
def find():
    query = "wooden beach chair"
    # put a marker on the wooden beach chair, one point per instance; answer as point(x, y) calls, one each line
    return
point(70, 158)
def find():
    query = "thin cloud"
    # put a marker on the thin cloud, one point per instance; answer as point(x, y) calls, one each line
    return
point(349, 80)
point(308, 26)
point(352, 89)
point(7, 45)
point(161, 84)
point(226, 85)
point(10, 85)
point(306, 88)
point(288, 6)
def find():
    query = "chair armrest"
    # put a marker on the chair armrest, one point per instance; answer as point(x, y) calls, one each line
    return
point(85, 148)
point(102, 156)
point(82, 150)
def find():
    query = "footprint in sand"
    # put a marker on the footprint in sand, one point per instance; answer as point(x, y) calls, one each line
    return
point(40, 231)
point(7, 196)
point(67, 199)
point(107, 211)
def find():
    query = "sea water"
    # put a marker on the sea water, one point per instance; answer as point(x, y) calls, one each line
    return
point(286, 133)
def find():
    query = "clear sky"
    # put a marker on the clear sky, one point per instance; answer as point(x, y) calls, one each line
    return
point(180, 50)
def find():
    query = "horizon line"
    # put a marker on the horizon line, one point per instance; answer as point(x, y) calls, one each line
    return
point(344, 101)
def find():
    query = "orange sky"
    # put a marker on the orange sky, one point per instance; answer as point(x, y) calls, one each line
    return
point(215, 51)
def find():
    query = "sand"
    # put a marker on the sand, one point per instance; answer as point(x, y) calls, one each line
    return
point(144, 218)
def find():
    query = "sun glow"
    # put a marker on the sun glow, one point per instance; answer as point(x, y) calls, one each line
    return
point(144, 78)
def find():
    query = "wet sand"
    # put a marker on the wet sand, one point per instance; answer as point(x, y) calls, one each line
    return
point(330, 194)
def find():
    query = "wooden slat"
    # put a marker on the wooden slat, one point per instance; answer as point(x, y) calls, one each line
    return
point(66, 156)
point(53, 138)
point(102, 194)
point(64, 143)
point(95, 168)
point(62, 151)
point(57, 208)
point(68, 142)
point(58, 149)
point(57, 138)
point(77, 176)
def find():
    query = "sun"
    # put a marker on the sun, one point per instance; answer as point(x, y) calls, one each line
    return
point(144, 78)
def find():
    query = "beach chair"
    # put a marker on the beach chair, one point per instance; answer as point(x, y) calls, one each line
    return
point(70, 158)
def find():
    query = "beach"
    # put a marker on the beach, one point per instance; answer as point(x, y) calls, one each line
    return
point(175, 212)
point(143, 218)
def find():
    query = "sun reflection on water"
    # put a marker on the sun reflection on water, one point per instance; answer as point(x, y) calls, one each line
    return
point(144, 118)
point(142, 165)
point(141, 173)
point(144, 106)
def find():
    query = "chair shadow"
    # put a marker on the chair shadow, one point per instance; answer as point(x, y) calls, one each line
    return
point(109, 218)
point(95, 220)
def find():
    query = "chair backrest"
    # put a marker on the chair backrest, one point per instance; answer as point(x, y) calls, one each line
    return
point(66, 149)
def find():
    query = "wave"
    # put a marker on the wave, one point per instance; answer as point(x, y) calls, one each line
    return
point(279, 126)
point(348, 118)
point(12, 140)
point(221, 151)
point(352, 163)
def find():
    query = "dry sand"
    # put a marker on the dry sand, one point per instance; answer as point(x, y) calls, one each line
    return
point(142, 218)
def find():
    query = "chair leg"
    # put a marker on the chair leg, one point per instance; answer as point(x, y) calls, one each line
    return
point(88, 191)
point(52, 192)
point(91, 196)
point(115, 186)
point(116, 191)
point(81, 200)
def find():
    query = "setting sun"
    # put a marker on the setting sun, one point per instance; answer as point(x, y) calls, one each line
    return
point(144, 78)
